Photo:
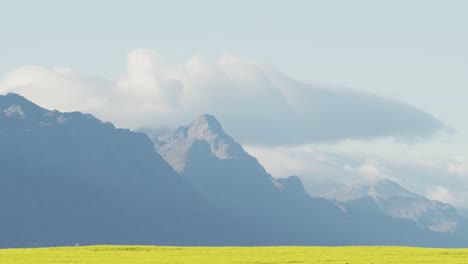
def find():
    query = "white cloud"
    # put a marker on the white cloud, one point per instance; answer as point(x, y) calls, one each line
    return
point(441, 193)
point(370, 170)
point(255, 102)
point(58, 88)
point(304, 161)
point(318, 164)
point(459, 166)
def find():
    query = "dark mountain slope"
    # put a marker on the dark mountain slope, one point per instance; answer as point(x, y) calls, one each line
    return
point(69, 178)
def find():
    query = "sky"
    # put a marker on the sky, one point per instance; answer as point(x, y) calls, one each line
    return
point(338, 89)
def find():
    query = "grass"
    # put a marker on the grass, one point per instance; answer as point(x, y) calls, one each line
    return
point(220, 255)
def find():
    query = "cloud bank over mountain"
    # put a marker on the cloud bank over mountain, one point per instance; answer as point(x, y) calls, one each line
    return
point(71, 178)
point(322, 169)
point(256, 102)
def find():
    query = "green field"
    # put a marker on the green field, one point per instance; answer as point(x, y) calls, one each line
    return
point(219, 255)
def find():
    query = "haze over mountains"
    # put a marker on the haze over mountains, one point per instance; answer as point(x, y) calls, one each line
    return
point(70, 178)
point(400, 203)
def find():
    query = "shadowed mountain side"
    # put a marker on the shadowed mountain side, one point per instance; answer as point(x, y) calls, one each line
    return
point(69, 178)
point(292, 186)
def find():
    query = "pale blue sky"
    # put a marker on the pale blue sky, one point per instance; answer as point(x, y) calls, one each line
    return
point(413, 51)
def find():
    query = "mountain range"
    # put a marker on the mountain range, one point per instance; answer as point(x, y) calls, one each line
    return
point(70, 178)
point(397, 202)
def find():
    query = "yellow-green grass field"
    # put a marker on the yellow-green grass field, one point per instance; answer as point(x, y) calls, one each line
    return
point(219, 255)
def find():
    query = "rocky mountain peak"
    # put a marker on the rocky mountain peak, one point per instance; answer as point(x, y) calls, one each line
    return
point(175, 145)
point(16, 106)
point(204, 125)
point(375, 188)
